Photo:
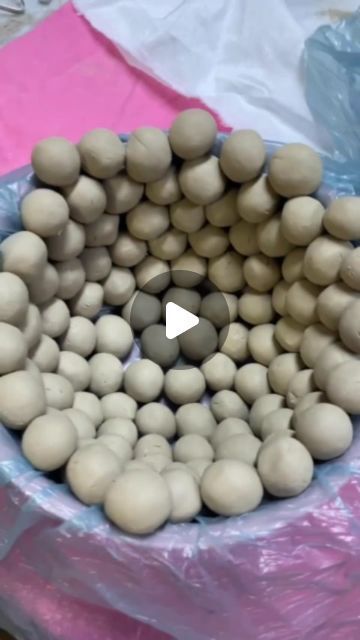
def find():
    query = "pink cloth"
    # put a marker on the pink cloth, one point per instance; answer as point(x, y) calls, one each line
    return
point(64, 78)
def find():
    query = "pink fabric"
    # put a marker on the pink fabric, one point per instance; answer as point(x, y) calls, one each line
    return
point(64, 78)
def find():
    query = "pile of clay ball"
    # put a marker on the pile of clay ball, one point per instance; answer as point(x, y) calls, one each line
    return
point(259, 392)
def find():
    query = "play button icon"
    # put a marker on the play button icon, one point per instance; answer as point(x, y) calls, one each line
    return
point(178, 320)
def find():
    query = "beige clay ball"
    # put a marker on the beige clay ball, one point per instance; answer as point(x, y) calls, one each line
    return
point(342, 386)
point(157, 418)
point(118, 286)
point(325, 430)
point(219, 308)
point(301, 302)
point(349, 327)
point(323, 259)
point(226, 272)
point(80, 336)
point(192, 133)
point(263, 345)
point(102, 153)
point(22, 398)
point(195, 418)
point(24, 254)
point(231, 487)
point(332, 302)
point(59, 391)
point(118, 405)
point(152, 444)
point(144, 380)
point(123, 427)
point(330, 357)
point(289, 334)
point(166, 190)
point(13, 349)
point(44, 212)
point(199, 342)
point(307, 401)
point(192, 446)
point(147, 221)
point(14, 298)
point(233, 341)
point(295, 170)
point(122, 193)
point(261, 272)
point(75, 369)
point(82, 423)
point(71, 278)
point(341, 218)
point(223, 212)
point(86, 200)
point(88, 301)
point(96, 262)
point(285, 467)
point(55, 317)
point(148, 154)
point(31, 328)
point(228, 404)
point(153, 275)
point(242, 155)
point(128, 251)
point(276, 421)
point(105, 374)
point(118, 445)
point(142, 310)
point(183, 385)
point(278, 298)
point(227, 428)
point(281, 370)
point(102, 232)
point(300, 385)
point(244, 447)
point(209, 242)
point(49, 441)
point(202, 180)
point(188, 270)
point(251, 382)
point(271, 239)
point(46, 354)
point(187, 216)
point(255, 307)
point(68, 244)
point(169, 246)
point(243, 238)
point(302, 220)
point(56, 161)
point(113, 335)
point(350, 269)
point(91, 471)
point(185, 495)
point(262, 407)
point(257, 200)
point(219, 371)
point(292, 268)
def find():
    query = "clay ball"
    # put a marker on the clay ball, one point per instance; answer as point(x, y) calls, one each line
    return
point(263, 344)
point(143, 380)
point(14, 299)
point(91, 471)
point(243, 238)
point(187, 216)
point(113, 335)
point(102, 153)
point(262, 407)
point(195, 418)
point(122, 193)
point(80, 336)
point(49, 441)
point(233, 341)
point(86, 200)
point(46, 354)
point(102, 232)
point(341, 218)
point(90, 404)
point(71, 278)
point(285, 467)
point(228, 404)
point(202, 180)
point(342, 386)
point(281, 370)
point(118, 286)
point(329, 358)
point(323, 260)
point(332, 302)
point(13, 349)
point(184, 384)
point(148, 154)
point(118, 405)
point(227, 428)
point(226, 272)
point(22, 399)
point(166, 190)
point(24, 254)
point(44, 212)
point(68, 244)
point(219, 371)
point(192, 446)
point(105, 374)
point(276, 422)
point(123, 427)
point(242, 155)
point(302, 220)
point(185, 495)
point(209, 242)
point(315, 338)
point(244, 447)
point(152, 444)
point(223, 212)
point(56, 161)
point(325, 430)
point(255, 307)
point(192, 133)
point(251, 382)
point(157, 347)
point(350, 269)
point(349, 326)
point(82, 423)
point(200, 341)
point(257, 200)
point(96, 263)
point(59, 391)
point(142, 310)
point(231, 487)
point(75, 369)
point(55, 317)
point(295, 170)
point(156, 418)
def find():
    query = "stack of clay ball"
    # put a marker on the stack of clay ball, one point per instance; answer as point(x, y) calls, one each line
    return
point(262, 392)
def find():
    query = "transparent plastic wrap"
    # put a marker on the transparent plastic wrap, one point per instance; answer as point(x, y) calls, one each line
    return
point(288, 571)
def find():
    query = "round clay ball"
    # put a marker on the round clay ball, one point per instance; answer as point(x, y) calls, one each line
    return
point(88, 301)
point(295, 170)
point(323, 259)
point(24, 254)
point(138, 502)
point(157, 347)
point(59, 391)
point(90, 404)
point(49, 441)
point(44, 212)
point(187, 216)
point(285, 467)
point(349, 326)
point(219, 371)
point(22, 398)
point(31, 328)
point(219, 308)
point(332, 302)
point(196, 467)
point(185, 495)
point(90, 472)
point(300, 385)
point(195, 418)
point(169, 246)
point(142, 310)
point(80, 336)
point(342, 386)
point(118, 286)
point(118, 405)
point(227, 428)
point(68, 244)
point(105, 374)
point(102, 153)
point(261, 272)
point(209, 242)
point(86, 200)
point(102, 232)
point(243, 238)
point(262, 407)
point(55, 317)
point(200, 341)
point(128, 251)
point(228, 404)
point(152, 275)
point(75, 369)
point(231, 487)
point(341, 218)
point(329, 358)
point(71, 277)
point(202, 180)
point(244, 447)
point(147, 221)
point(289, 334)
point(192, 446)
point(123, 427)
point(271, 239)
point(308, 401)
point(148, 154)
point(281, 370)
point(122, 193)
point(301, 302)
point(302, 220)
point(251, 382)
point(152, 444)
point(292, 268)
point(257, 200)
point(223, 212)
point(263, 345)
point(156, 418)
point(350, 269)
point(233, 341)
point(83, 425)
point(113, 335)
point(188, 270)
point(56, 161)
point(118, 445)
point(96, 262)
point(276, 421)
point(255, 307)
point(13, 349)
point(143, 380)
point(184, 384)
point(278, 298)
point(226, 272)
point(192, 133)
point(243, 155)
point(325, 430)
point(14, 299)
point(46, 354)
point(186, 298)
point(166, 190)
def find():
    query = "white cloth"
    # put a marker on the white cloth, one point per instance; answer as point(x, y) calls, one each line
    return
point(242, 58)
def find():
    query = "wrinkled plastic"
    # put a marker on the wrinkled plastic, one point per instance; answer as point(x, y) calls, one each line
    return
point(288, 571)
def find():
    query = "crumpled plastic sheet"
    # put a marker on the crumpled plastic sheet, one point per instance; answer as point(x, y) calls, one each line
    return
point(289, 571)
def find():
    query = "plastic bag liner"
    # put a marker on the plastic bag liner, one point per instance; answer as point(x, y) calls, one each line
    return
point(288, 571)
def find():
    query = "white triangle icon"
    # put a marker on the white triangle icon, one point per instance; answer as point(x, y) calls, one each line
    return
point(178, 320)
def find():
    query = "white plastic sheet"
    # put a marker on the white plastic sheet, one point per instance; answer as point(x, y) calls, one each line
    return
point(241, 57)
